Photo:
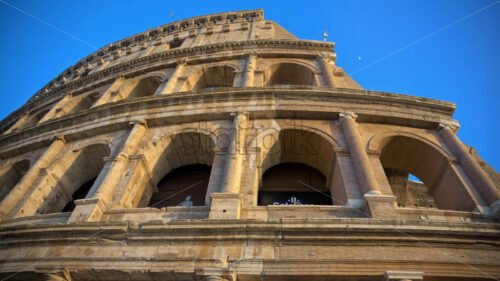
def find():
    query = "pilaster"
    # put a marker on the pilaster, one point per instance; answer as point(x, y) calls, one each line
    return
point(480, 179)
point(92, 210)
point(22, 188)
point(325, 60)
point(172, 81)
point(251, 63)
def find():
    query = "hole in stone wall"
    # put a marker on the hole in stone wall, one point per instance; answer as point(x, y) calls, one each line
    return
point(185, 186)
point(293, 184)
point(146, 87)
point(215, 77)
point(409, 190)
point(80, 193)
point(289, 74)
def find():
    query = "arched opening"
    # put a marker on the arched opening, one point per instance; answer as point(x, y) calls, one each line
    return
point(402, 156)
point(182, 169)
point(289, 74)
point(85, 102)
point(12, 176)
point(299, 164)
point(146, 87)
point(80, 193)
point(184, 186)
point(293, 184)
point(82, 167)
point(212, 77)
point(33, 120)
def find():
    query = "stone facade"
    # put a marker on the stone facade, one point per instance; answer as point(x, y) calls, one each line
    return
point(222, 147)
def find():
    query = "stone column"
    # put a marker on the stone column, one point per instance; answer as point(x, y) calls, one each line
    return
point(374, 203)
point(93, 208)
point(172, 81)
point(226, 205)
point(23, 187)
point(362, 166)
point(232, 175)
point(480, 179)
point(57, 109)
point(111, 92)
point(251, 63)
point(324, 63)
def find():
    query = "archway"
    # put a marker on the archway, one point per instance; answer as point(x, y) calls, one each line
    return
point(404, 155)
point(289, 74)
point(183, 186)
point(82, 167)
point(12, 176)
point(299, 162)
point(293, 184)
point(212, 77)
point(183, 169)
point(145, 87)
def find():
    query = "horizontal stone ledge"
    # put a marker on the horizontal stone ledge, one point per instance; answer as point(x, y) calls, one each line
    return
point(116, 116)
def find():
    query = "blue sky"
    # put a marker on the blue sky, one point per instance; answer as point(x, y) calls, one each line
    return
point(448, 50)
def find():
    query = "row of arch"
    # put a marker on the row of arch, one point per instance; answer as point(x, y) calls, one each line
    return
point(298, 167)
point(211, 77)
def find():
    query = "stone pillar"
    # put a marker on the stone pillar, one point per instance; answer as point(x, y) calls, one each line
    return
point(232, 175)
point(251, 63)
point(226, 205)
point(111, 92)
point(18, 124)
point(57, 109)
point(403, 276)
point(362, 166)
point(93, 208)
point(22, 188)
point(324, 60)
point(374, 203)
point(172, 81)
point(480, 179)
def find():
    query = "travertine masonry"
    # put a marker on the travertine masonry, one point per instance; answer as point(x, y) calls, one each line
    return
point(269, 118)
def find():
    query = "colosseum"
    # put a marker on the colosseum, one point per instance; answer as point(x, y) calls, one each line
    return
point(222, 147)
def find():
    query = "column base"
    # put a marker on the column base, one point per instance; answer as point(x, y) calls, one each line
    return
point(87, 210)
point(225, 206)
point(379, 206)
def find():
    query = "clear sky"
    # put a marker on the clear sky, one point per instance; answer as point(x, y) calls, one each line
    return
point(447, 50)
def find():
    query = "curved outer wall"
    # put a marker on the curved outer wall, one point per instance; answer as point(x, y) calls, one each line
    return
point(84, 158)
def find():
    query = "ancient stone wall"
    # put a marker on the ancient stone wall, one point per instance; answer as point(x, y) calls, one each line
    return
point(224, 148)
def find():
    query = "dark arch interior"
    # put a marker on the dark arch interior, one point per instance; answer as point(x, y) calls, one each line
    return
point(215, 77)
point(184, 186)
point(10, 178)
point(80, 193)
point(293, 184)
point(290, 74)
point(146, 87)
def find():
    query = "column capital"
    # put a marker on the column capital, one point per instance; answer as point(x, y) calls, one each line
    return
point(330, 57)
point(236, 114)
point(453, 125)
point(403, 275)
point(252, 54)
point(138, 122)
point(343, 115)
point(181, 62)
point(58, 137)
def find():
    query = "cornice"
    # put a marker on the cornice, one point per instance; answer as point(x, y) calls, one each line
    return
point(322, 103)
point(255, 46)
